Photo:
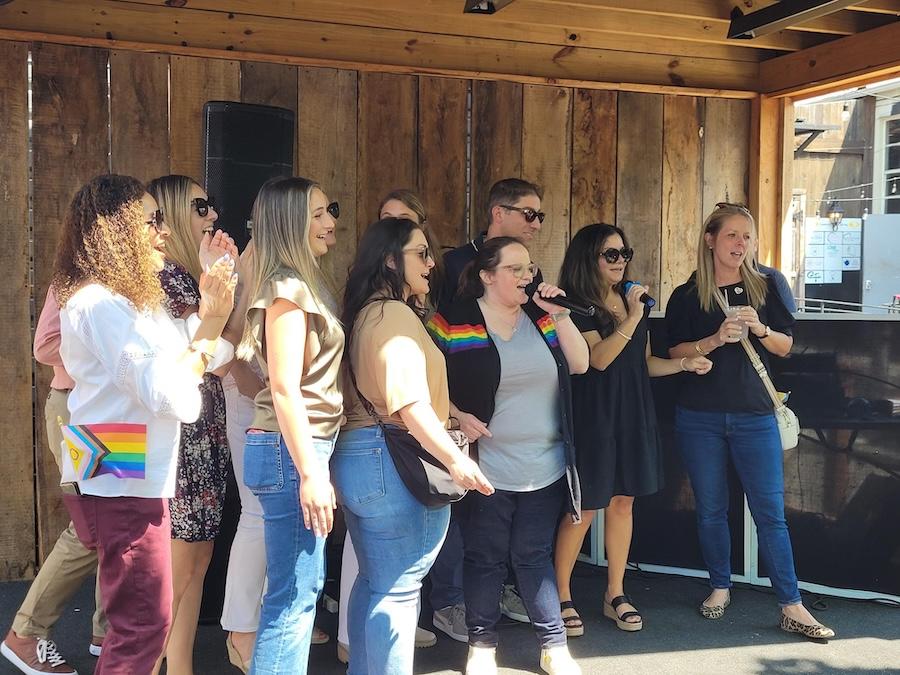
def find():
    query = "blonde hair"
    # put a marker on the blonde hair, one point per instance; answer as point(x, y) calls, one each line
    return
point(173, 194)
point(281, 218)
point(753, 281)
point(104, 240)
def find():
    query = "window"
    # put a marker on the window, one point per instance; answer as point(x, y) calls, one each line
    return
point(892, 165)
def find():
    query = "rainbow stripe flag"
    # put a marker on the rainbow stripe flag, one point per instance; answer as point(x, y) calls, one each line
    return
point(548, 330)
point(458, 338)
point(114, 448)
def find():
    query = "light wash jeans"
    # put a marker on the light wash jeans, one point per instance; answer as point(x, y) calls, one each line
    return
point(706, 441)
point(295, 557)
point(397, 539)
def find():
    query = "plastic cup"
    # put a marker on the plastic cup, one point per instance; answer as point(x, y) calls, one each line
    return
point(733, 312)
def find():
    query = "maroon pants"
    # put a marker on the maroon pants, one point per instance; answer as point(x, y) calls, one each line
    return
point(132, 539)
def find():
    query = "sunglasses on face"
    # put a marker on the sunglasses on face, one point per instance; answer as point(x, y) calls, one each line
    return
point(530, 214)
point(612, 255)
point(518, 271)
point(334, 210)
point(156, 220)
point(202, 206)
point(424, 253)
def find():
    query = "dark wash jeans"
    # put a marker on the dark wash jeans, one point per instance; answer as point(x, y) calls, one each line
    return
point(520, 527)
point(706, 441)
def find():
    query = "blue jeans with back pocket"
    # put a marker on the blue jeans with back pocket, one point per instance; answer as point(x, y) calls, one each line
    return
point(397, 539)
point(294, 555)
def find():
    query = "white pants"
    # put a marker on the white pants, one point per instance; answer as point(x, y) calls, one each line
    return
point(246, 579)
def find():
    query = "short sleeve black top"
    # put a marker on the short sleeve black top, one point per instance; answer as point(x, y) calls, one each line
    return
point(732, 385)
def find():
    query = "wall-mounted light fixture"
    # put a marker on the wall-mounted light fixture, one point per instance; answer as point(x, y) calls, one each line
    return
point(845, 112)
point(835, 215)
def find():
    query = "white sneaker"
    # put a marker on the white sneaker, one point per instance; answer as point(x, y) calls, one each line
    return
point(482, 661)
point(558, 661)
point(452, 621)
point(425, 638)
point(511, 604)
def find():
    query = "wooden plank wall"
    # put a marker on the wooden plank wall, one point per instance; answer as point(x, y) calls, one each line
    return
point(653, 163)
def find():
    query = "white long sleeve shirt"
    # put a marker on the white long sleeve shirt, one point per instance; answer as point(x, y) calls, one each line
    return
point(124, 364)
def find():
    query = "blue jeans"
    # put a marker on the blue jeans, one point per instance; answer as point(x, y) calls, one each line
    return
point(706, 441)
point(397, 539)
point(520, 527)
point(447, 572)
point(295, 557)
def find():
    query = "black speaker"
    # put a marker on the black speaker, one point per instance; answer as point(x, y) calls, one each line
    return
point(243, 146)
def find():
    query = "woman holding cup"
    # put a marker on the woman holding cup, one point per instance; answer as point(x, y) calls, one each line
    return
point(727, 415)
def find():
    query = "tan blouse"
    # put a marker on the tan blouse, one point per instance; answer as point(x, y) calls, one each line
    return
point(396, 363)
point(320, 384)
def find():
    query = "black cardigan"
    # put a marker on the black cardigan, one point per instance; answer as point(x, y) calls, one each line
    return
point(473, 371)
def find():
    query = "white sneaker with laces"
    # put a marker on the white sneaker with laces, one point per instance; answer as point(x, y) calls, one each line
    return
point(425, 638)
point(452, 621)
point(558, 661)
point(511, 604)
point(482, 661)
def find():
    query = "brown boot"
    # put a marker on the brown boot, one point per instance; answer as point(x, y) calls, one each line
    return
point(34, 656)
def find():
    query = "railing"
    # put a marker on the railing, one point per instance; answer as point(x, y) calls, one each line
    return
point(818, 305)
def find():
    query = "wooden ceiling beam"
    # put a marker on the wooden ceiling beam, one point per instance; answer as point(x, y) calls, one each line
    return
point(105, 19)
point(839, 23)
point(891, 7)
point(525, 20)
point(875, 53)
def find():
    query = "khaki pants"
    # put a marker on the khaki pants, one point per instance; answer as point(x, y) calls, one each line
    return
point(68, 564)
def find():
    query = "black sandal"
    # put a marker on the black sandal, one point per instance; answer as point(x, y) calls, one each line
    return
point(610, 611)
point(574, 625)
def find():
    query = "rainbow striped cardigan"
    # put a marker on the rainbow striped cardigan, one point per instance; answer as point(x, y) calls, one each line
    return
point(473, 370)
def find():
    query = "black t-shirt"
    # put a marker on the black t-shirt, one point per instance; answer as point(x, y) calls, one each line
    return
point(732, 385)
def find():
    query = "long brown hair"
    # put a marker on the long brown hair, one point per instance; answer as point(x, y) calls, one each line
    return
point(104, 240)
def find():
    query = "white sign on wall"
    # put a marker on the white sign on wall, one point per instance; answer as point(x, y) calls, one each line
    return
point(831, 252)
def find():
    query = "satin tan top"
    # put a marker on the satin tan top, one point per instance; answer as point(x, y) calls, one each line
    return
point(320, 383)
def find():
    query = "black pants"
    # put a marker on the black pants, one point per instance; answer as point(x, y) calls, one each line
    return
point(516, 526)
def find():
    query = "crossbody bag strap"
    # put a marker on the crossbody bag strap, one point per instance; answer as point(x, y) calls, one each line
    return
point(757, 363)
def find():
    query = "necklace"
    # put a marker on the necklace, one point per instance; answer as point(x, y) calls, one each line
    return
point(497, 316)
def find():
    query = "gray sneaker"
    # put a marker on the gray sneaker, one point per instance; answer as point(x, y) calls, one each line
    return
point(452, 621)
point(511, 604)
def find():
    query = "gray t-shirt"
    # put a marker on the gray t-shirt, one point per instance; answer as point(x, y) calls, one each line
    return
point(526, 452)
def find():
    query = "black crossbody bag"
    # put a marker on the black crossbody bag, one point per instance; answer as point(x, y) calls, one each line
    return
point(423, 475)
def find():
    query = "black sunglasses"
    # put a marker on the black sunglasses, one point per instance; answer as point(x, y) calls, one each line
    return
point(612, 255)
point(334, 210)
point(530, 214)
point(202, 206)
point(156, 220)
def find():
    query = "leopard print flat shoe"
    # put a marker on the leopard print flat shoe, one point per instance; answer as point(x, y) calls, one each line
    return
point(815, 631)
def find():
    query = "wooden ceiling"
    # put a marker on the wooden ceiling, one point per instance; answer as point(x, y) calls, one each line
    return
point(670, 43)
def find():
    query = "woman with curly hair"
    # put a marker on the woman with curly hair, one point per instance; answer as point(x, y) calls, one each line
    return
point(136, 374)
point(203, 456)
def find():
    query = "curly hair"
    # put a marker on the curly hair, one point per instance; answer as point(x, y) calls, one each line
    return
point(104, 240)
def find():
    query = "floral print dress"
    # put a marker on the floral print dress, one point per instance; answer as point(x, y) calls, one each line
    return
point(203, 456)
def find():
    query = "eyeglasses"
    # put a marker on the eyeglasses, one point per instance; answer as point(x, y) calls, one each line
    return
point(156, 221)
point(424, 253)
point(518, 271)
point(612, 255)
point(202, 206)
point(334, 210)
point(530, 214)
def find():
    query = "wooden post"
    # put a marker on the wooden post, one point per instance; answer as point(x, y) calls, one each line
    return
point(771, 171)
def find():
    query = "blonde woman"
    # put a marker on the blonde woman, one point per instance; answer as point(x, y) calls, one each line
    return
point(297, 340)
point(203, 454)
point(727, 415)
point(136, 372)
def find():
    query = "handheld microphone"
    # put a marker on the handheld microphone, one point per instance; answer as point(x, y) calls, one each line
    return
point(646, 299)
point(564, 302)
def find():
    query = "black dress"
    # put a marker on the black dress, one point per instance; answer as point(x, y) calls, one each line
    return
point(617, 444)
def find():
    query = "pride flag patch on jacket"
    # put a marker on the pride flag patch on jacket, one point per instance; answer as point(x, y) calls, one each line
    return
point(115, 448)
point(458, 338)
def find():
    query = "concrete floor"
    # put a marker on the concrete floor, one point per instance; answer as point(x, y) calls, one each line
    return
point(675, 638)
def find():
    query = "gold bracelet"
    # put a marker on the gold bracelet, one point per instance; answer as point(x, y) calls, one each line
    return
point(627, 337)
point(699, 349)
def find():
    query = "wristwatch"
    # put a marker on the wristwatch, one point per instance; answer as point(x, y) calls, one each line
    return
point(766, 333)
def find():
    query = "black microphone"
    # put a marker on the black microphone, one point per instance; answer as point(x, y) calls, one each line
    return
point(646, 299)
point(563, 301)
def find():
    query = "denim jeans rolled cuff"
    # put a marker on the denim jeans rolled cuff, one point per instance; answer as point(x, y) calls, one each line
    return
point(519, 527)
point(707, 441)
point(396, 539)
point(295, 557)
